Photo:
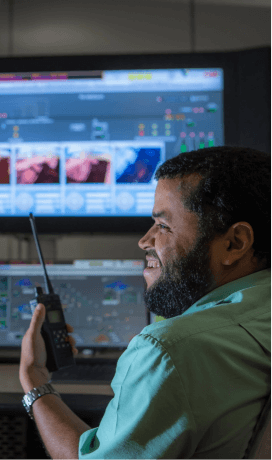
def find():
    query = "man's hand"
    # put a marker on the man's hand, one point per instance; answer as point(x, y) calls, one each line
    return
point(59, 427)
point(33, 371)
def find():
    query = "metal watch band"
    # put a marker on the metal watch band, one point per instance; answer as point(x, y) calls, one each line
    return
point(35, 394)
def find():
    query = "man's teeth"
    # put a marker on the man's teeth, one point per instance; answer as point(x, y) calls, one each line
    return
point(153, 264)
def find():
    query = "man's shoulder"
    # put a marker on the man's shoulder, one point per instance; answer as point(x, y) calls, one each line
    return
point(248, 303)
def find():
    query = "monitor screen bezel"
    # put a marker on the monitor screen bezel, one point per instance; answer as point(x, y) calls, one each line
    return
point(120, 224)
point(11, 353)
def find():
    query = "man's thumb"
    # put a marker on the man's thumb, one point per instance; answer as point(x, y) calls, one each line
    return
point(40, 313)
point(37, 318)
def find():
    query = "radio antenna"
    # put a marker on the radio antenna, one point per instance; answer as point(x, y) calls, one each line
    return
point(47, 281)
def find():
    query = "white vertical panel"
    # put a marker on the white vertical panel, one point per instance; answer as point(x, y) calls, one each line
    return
point(227, 28)
point(56, 27)
point(245, 3)
point(99, 247)
point(4, 28)
point(24, 249)
point(68, 248)
point(14, 248)
point(9, 248)
point(48, 247)
point(4, 247)
point(102, 26)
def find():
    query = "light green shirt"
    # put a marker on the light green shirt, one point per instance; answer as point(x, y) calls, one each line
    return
point(191, 386)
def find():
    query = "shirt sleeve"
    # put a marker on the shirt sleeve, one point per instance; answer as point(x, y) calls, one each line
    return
point(149, 415)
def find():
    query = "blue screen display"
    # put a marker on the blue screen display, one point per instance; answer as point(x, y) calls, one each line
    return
point(89, 145)
point(102, 299)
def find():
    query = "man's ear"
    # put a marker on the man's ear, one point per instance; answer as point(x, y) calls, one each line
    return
point(238, 241)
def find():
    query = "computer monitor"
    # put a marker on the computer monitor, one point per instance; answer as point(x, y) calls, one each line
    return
point(83, 144)
point(87, 143)
point(101, 299)
point(82, 136)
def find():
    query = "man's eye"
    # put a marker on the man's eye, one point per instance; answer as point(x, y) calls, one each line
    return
point(162, 226)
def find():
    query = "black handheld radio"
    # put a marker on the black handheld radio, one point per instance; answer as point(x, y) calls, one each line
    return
point(59, 352)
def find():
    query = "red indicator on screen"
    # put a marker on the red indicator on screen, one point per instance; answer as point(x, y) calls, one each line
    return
point(213, 73)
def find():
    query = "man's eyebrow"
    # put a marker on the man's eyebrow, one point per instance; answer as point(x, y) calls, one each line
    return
point(161, 214)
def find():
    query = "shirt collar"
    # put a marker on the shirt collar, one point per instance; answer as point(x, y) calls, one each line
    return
point(230, 292)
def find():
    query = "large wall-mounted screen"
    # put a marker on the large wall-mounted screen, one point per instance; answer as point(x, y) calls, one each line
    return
point(89, 143)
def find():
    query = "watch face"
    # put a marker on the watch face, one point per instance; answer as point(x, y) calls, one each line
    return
point(34, 394)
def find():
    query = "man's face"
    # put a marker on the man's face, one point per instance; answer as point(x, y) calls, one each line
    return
point(183, 274)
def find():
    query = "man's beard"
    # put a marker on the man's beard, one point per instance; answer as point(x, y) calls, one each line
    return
point(182, 282)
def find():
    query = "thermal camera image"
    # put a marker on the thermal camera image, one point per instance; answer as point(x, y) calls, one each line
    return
point(136, 165)
point(37, 167)
point(85, 166)
point(4, 166)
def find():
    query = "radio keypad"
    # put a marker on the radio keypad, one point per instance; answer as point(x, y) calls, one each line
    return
point(59, 339)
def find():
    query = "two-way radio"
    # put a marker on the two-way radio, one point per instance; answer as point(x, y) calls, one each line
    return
point(54, 332)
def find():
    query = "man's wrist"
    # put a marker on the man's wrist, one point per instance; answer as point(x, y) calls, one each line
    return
point(30, 380)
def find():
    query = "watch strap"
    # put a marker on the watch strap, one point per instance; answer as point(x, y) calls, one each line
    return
point(35, 394)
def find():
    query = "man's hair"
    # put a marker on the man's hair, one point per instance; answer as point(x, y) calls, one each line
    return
point(234, 187)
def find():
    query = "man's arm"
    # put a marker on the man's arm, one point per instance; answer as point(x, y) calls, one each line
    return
point(59, 427)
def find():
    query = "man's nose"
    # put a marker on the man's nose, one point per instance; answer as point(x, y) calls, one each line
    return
point(146, 240)
point(141, 242)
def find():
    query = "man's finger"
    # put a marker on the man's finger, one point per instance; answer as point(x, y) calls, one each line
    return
point(37, 317)
point(71, 340)
point(69, 328)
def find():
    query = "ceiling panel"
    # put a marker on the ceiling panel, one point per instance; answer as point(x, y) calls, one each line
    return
point(4, 29)
point(256, 3)
point(99, 27)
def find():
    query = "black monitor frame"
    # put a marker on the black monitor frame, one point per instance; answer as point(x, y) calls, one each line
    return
point(245, 72)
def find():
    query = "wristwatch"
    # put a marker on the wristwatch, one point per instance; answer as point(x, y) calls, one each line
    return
point(35, 394)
